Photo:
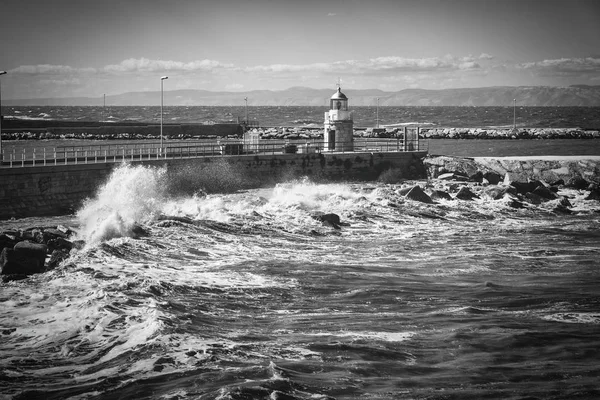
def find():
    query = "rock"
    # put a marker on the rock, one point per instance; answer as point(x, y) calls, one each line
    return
point(417, 194)
point(56, 258)
point(331, 218)
point(51, 233)
point(465, 194)
point(440, 195)
point(476, 177)
point(545, 193)
point(498, 192)
point(524, 187)
point(492, 177)
point(453, 176)
point(7, 241)
point(557, 183)
point(403, 191)
point(577, 182)
point(25, 258)
point(593, 195)
point(59, 244)
point(534, 198)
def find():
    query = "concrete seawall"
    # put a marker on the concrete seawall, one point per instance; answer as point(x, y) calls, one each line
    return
point(62, 189)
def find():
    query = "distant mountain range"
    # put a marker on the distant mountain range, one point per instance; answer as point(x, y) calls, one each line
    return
point(578, 95)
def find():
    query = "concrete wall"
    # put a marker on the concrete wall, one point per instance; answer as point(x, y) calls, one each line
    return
point(59, 190)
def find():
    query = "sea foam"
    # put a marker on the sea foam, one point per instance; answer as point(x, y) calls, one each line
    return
point(132, 194)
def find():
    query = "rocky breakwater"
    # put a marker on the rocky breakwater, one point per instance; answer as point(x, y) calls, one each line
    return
point(518, 181)
point(508, 133)
point(34, 250)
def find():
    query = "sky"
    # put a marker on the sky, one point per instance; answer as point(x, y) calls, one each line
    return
point(84, 48)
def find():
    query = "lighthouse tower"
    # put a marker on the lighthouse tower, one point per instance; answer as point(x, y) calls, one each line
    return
point(338, 124)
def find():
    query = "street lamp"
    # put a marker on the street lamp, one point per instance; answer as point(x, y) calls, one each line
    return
point(1, 153)
point(378, 112)
point(161, 111)
point(246, 100)
point(515, 114)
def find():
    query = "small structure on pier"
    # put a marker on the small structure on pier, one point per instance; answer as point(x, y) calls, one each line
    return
point(339, 126)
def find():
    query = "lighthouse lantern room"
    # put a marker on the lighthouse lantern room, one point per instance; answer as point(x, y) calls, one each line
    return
point(339, 127)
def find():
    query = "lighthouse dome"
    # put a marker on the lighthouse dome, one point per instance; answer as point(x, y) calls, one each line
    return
point(339, 95)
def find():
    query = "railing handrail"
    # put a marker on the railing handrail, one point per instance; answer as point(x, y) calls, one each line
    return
point(63, 155)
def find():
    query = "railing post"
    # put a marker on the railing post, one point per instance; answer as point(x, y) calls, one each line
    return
point(33, 161)
point(417, 139)
point(23, 159)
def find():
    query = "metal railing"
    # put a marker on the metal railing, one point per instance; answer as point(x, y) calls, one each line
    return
point(87, 154)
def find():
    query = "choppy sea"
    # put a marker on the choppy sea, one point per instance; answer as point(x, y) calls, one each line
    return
point(523, 117)
point(246, 296)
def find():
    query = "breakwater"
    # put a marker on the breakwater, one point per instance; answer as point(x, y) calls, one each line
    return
point(62, 189)
point(508, 133)
point(521, 169)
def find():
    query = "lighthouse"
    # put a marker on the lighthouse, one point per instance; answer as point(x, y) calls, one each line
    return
point(338, 124)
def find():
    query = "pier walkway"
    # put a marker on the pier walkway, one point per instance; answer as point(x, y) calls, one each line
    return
point(20, 154)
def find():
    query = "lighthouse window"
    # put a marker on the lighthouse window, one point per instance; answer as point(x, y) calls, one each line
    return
point(339, 105)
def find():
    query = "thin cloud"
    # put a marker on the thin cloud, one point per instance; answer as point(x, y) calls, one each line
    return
point(47, 69)
point(564, 66)
point(147, 65)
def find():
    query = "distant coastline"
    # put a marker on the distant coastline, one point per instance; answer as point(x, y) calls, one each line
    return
point(499, 96)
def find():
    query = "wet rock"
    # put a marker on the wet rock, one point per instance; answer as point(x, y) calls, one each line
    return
point(577, 182)
point(476, 177)
point(525, 187)
point(492, 177)
point(498, 192)
point(453, 176)
point(56, 258)
point(465, 194)
point(51, 233)
point(534, 198)
point(440, 195)
point(330, 219)
point(59, 244)
point(593, 195)
point(25, 258)
point(7, 241)
point(545, 193)
point(417, 194)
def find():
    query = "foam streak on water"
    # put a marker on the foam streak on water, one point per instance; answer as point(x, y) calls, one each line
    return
point(245, 295)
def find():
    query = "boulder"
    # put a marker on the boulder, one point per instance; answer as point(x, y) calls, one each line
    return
point(545, 193)
point(525, 187)
point(465, 194)
point(51, 233)
point(330, 219)
point(577, 182)
point(534, 198)
point(492, 177)
point(498, 192)
point(593, 195)
point(7, 241)
point(476, 177)
point(56, 258)
point(25, 258)
point(453, 176)
point(417, 194)
point(440, 195)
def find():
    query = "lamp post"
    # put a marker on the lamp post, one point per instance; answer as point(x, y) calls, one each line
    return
point(1, 153)
point(515, 114)
point(378, 112)
point(161, 111)
point(246, 100)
